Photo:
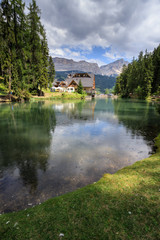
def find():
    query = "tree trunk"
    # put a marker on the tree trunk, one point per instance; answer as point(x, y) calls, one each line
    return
point(10, 82)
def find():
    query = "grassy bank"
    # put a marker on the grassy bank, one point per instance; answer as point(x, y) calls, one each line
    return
point(47, 96)
point(59, 95)
point(125, 205)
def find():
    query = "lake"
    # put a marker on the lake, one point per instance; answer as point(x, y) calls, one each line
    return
point(50, 148)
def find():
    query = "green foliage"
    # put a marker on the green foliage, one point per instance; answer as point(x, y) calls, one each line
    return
point(51, 71)
point(25, 64)
point(80, 88)
point(111, 90)
point(3, 89)
point(103, 82)
point(142, 77)
point(107, 91)
point(98, 91)
point(139, 92)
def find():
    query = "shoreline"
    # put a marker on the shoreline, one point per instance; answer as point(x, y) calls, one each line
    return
point(56, 96)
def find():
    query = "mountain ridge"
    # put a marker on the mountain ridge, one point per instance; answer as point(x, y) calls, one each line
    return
point(111, 69)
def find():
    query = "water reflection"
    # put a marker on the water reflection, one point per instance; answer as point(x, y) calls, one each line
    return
point(158, 107)
point(25, 139)
point(50, 148)
point(140, 117)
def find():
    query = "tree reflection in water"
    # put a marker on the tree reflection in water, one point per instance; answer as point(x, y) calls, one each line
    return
point(140, 117)
point(26, 138)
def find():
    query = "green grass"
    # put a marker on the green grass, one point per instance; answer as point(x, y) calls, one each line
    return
point(59, 95)
point(125, 205)
point(46, 90)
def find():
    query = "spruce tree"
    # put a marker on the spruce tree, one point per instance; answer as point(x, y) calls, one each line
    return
point(80, 88)
point(24, 53)
point(148, 75)
point(51, 71)
point(8, 42)
point(19, 22)
point(156, 67)
point(34, 41)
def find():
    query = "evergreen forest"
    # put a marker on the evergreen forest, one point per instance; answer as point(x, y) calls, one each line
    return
point(25, 64)
point(141, 78)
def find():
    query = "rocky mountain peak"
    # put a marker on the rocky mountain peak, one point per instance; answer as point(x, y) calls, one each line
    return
point(111, 69)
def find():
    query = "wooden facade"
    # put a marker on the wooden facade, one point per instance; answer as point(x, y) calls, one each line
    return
point(87, 80)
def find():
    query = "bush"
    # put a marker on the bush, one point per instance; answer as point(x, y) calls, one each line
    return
point(139, 92)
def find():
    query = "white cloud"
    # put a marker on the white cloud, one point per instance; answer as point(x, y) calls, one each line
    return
point(113, 54)
point(67, 53)
point(128, 26)
point(58, 52)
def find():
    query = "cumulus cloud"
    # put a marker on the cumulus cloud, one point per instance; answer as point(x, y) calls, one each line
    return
point(113, 54)
point(128, 26)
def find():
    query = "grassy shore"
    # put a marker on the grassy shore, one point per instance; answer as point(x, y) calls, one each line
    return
point(47, 95)
point(125, 205)
point(59, 95)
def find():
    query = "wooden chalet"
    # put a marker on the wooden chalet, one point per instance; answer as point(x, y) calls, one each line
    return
point(72, 80)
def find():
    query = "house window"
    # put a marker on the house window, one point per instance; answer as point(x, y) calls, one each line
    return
point(74, 84)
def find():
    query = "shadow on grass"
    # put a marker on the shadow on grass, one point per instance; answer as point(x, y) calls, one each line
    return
point(121, 206)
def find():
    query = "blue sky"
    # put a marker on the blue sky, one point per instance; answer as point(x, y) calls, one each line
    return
point(100, 31)
point(101, 55)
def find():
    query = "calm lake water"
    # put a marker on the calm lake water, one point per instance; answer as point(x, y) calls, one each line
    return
point(51, 148)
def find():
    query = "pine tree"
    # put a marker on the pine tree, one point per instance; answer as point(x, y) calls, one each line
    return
point(80, 88)
point(137, 77)
point(24, 54)
point(156, 67)
point(8, 42)
point(43, 77)
point(148, 75)
point(51, 71)
point(19, 22)
point(34, 44)
point(1, 43)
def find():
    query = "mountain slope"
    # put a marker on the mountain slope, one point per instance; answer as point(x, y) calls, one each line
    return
point(111, 69)
point(114, 68)
point(63, 64)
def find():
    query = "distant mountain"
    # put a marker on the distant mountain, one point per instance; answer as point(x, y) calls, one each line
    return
point(111, 69)
point(63, 64)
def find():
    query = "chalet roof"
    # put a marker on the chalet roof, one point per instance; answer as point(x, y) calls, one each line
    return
point(87, 79)
point(81, 75)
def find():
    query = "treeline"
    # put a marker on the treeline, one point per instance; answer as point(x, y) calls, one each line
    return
point(25, 64)
point(141, 78)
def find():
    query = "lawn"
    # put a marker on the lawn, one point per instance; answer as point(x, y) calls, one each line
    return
point(59, 95)
point(125, 205)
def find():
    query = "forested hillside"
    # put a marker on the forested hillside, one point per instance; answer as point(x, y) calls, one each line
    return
point(103, 82)
point(141, 77)
point(25, 64)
